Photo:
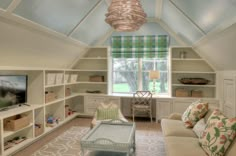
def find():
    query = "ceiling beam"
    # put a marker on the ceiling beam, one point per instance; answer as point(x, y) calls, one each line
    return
point(171, 32)
point(32, 26)
point(159, 6)
point(102, 40)
point(84, 18)
point(189, 19)
point(13, 5)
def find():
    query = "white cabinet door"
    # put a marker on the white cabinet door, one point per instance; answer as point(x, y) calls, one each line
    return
point(163, 109)
point(229, 97)
point(91, 103)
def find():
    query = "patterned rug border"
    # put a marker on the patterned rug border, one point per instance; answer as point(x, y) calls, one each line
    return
point(148, 143)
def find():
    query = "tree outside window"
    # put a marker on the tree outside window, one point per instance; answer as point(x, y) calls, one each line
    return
point(126, 73)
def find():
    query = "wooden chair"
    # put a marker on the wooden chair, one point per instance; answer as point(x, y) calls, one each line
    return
point(142, 103)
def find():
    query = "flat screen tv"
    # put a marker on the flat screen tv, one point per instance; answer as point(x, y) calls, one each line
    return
point(13, 90)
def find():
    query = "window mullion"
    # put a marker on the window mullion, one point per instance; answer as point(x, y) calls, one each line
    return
point(140, 77)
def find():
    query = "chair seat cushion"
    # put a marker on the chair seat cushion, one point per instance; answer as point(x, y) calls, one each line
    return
point(176, 128)
point(141, 107)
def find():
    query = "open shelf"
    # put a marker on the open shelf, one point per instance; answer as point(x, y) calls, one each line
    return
point(55, 101)
point(49, 129)
point(189, 85)
point(187, 59)
point(207, 92)
point(19, 146)
point(186, 63)
point(53, 94)
point(39, 119)
point(55, 85)
point(72, 95)
point(75, 104)
point(26, 132)
point(56, 111)
point(93, 70)
point(9, 133)
point(97, 64)
point(87, 82)
point(193, 72)
point(92, 83)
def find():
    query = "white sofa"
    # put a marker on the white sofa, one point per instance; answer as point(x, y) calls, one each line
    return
point(182, 141)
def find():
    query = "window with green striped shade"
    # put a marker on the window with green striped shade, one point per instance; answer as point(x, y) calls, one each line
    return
point(140, 46)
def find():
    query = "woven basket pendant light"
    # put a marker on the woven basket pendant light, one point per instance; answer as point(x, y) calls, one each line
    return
point(125, 15)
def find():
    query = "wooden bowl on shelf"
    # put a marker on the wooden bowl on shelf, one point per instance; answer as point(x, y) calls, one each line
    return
point(194, 81)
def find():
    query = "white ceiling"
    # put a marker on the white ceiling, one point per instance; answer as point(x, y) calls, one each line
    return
point(188, 22)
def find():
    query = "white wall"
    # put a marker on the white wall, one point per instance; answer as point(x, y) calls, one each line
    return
point(220, 49)
point(24, 47)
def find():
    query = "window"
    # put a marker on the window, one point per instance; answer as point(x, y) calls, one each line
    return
point(132, 59)
point(131, 74)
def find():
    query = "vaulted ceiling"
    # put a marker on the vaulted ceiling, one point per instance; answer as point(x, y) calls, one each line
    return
point(197, 23)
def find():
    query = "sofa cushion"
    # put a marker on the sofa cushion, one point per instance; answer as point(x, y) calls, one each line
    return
point(218, 135)
point(175, 116)
point(232, 149)
point(183, 146)
point(176, 128)
point(194, 113)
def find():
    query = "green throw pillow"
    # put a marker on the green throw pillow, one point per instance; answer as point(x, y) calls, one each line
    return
point(107, 113)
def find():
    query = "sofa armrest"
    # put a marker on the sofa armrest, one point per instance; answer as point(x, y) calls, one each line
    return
point(175, 116)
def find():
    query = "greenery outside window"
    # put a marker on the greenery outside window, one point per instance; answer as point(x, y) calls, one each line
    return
point(127, 76)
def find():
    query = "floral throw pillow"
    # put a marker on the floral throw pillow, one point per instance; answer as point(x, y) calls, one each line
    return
point(194, 113)
point(218, 135)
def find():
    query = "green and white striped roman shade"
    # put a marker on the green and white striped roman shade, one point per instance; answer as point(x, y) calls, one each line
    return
point(140, 46)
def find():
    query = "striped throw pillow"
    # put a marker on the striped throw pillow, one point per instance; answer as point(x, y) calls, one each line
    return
point(107, 113)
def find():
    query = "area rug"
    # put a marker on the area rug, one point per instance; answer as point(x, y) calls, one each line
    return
point(148, 143)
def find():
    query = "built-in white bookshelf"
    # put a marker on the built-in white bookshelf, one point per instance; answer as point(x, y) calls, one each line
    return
point(40, 81)
point(186, 63)
point(93, 63)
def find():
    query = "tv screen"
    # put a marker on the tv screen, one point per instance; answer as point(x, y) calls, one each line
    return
point(13, 90)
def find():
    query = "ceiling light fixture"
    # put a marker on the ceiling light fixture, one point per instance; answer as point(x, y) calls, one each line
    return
point(125, 15)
